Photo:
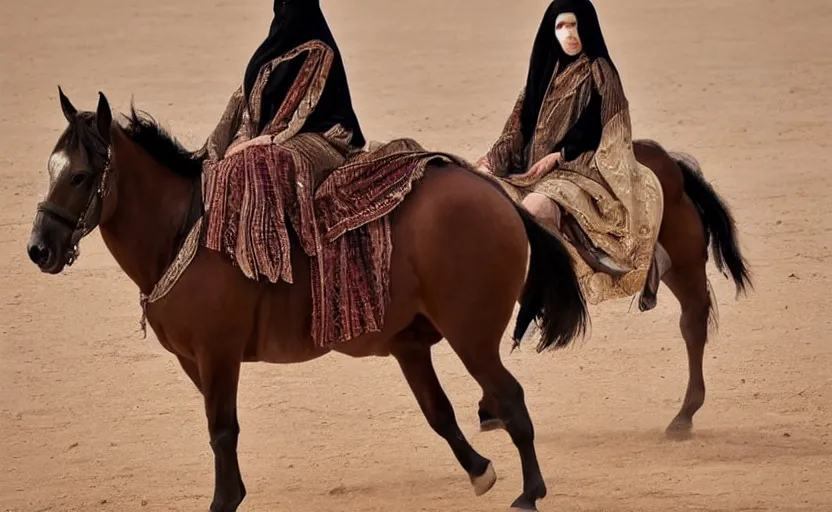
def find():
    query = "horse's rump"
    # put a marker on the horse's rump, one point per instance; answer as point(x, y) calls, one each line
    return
point(338, 206)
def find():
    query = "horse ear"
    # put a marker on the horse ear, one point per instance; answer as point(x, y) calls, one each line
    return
point(66, 106)
point(104, 117)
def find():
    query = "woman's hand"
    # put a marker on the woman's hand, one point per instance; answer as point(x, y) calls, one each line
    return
point(545, 165)
point(482, 164)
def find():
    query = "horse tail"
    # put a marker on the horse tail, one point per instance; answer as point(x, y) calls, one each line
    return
point(718, 221)
point(552, 293)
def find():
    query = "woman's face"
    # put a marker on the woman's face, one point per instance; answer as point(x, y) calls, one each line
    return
point(566, 31)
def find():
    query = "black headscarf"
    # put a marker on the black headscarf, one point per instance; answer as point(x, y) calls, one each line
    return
point(297, 22)
point(547, 53)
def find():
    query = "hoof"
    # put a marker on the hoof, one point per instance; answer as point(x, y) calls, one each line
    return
point(229, 504)
point(524, 504)
point(492, 424)
point(483, 483)
point(679, 429)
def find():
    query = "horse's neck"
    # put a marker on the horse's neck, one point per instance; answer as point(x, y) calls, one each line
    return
point(151, 207)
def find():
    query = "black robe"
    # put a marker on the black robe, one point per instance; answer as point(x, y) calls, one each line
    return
point(548, 56)
point(295, 23)
point(585, 134)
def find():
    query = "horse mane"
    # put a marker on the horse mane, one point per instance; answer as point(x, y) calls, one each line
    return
point(142, 129)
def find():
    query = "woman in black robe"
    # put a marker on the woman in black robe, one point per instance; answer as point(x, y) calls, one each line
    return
point(295, 82)
point(295, 23)
point(566, 152)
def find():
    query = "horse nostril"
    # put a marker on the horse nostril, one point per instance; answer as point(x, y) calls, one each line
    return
point(38, 254)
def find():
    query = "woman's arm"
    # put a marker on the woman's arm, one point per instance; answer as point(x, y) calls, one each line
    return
point(223, 134)
point(506, 154)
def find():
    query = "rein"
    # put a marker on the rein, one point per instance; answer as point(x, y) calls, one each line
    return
point(82, 224)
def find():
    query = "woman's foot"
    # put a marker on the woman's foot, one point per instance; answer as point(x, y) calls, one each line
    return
point(597, 259)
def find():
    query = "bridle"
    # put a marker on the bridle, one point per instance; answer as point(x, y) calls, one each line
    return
point(83, 223)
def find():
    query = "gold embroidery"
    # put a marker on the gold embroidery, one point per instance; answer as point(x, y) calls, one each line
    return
point(177, 267)
point(617, 201)
point(239, 121)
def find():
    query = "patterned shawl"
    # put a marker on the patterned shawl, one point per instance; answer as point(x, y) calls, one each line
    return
point(617, 201)
point(240, 119)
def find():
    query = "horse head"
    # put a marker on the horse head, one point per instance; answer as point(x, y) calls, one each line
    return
point(78, 169)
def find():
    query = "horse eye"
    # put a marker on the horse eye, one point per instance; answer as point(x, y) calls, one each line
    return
point(78, 179)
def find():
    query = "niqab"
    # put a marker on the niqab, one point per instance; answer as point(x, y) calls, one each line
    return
point(297, 22)
point(547, 55)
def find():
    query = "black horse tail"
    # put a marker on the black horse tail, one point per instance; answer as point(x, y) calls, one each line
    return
point(552, 293)
point(719, 223)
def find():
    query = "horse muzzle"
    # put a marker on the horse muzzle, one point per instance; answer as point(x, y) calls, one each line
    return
point(45, 248)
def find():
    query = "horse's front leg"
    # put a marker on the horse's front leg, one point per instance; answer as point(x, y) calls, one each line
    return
point(218, 376)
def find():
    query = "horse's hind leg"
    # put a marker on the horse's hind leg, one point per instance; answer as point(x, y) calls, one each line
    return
point(684, 238)
point(689, 285)
point(414, 357)
point(470, 296)
point(477, 343)
point(488, 419)
point(508, 394)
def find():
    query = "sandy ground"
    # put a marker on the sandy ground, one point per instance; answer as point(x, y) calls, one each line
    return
point(93, 417)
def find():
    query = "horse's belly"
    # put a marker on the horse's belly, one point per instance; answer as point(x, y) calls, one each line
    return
point(285, 351)
point(375, 344)
point(282, 349)
point(281, 334)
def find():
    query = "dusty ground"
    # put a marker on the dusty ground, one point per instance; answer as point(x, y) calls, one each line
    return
point(93, 417)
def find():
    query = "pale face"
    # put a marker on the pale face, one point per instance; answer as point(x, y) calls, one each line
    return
point(566, 32)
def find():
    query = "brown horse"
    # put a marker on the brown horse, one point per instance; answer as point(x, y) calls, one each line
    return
point(461, 250)
point(694, 217)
